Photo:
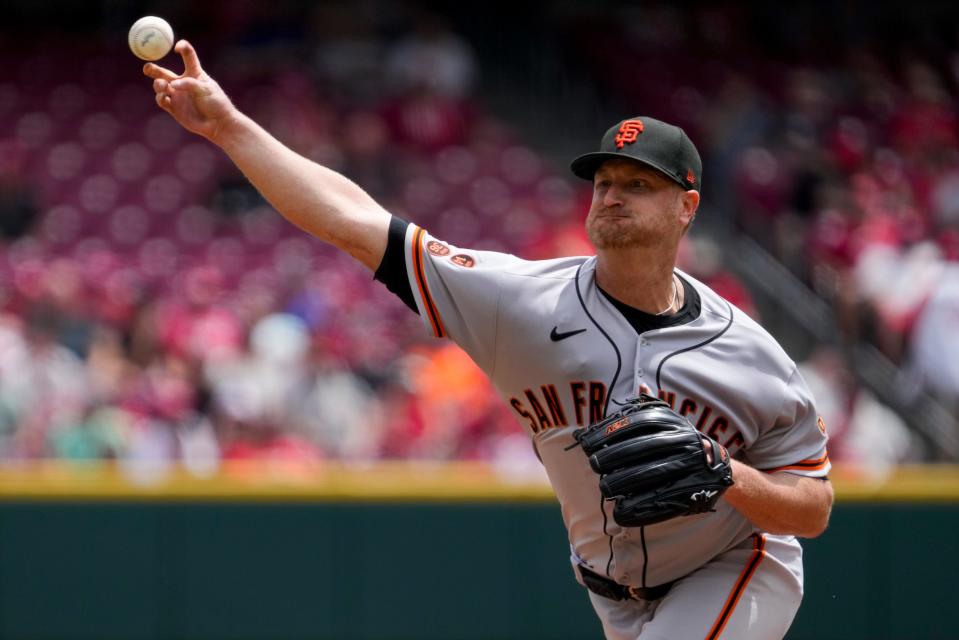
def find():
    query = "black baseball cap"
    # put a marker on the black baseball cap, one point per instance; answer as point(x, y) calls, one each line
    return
point(662, 146)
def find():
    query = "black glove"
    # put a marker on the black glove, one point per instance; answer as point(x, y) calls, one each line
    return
point(654, 463)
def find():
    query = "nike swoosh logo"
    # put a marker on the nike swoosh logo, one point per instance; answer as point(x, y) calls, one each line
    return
point(556, 336)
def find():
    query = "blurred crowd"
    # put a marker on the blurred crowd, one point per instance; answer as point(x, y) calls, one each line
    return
point(152, 306)
point(832, 143)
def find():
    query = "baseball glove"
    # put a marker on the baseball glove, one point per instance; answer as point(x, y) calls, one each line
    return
point(654, 463)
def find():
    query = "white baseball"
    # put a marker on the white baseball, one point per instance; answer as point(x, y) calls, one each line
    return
point(150, 38)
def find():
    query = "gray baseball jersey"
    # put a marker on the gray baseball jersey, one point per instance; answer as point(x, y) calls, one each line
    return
point(561, 354)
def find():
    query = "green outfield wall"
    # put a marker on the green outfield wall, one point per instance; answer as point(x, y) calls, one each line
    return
point(315, 564)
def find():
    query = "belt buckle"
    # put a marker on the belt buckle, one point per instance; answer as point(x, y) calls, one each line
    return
point(633, 593)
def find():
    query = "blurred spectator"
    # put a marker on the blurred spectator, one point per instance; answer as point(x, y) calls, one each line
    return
point(199, 328)
point(737, 120)
point(432, 57)
point(702, 259)
point(18, 206)
point(367, 151)
point(348, 54)
point(339, 410)
point(861, 429)
point(251, 391)
point(18, 210)
point(43, 385)
point(100, 435)
point(455, 400)
point(431, 72)
point(426, 120)
point(934, 358)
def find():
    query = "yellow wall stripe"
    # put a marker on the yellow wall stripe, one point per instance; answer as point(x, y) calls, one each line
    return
point(381, 481)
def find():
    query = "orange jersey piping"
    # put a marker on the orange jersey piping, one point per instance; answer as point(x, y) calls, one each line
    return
point(759, 552)
point(804, 465)
point(420, 276)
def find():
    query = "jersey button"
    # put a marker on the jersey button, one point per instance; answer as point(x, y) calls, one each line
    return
point(644, 342)
point(640, 372)
point(626, 578)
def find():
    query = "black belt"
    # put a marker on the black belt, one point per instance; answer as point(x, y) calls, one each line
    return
point(603, 586)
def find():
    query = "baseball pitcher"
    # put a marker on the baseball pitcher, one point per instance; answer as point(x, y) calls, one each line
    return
point(681, 441)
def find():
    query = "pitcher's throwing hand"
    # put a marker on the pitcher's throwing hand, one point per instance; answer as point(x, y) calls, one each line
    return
point(193, 98)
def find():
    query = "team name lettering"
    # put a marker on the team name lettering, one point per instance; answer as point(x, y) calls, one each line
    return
point(542, 408)
point(717, 427)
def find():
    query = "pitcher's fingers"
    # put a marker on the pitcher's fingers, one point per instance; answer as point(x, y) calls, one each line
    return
point(190, 60)
point(160, 85)
point(164, 101)
point(710, 454)
point(644, 388)
point(157, 72)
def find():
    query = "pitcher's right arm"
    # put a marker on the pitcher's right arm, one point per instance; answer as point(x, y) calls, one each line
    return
point(320, 201)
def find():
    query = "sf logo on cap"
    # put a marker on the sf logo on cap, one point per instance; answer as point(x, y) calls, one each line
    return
point(628, 132)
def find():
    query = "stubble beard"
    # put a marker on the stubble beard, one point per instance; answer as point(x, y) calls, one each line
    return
point(620, 233)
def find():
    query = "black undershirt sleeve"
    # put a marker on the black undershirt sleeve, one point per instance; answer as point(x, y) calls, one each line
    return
point(392, 269)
